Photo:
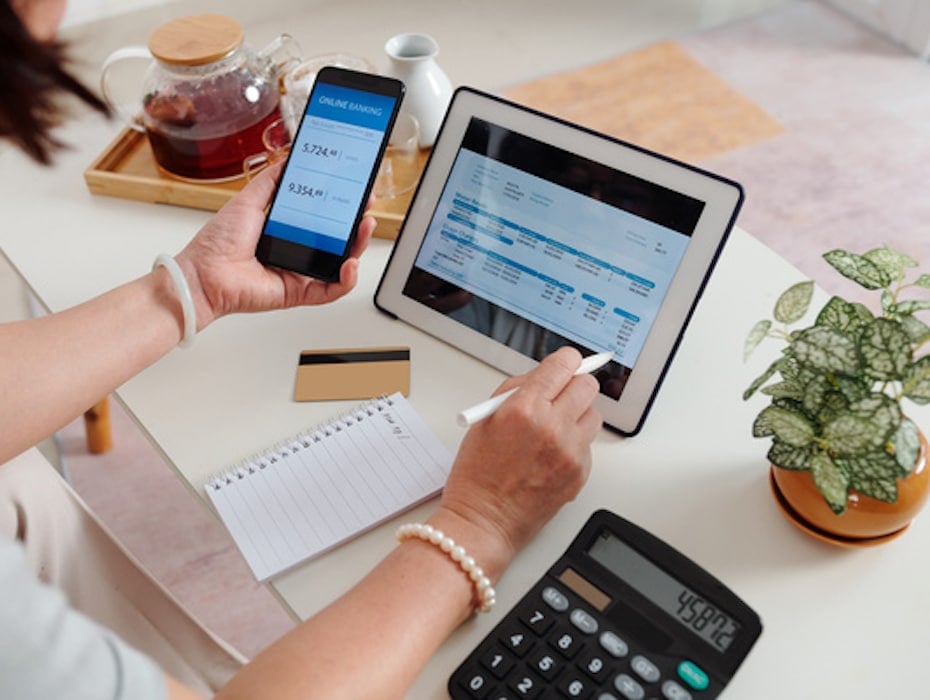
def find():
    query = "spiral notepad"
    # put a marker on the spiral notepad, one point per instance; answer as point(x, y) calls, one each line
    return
point(328, 484)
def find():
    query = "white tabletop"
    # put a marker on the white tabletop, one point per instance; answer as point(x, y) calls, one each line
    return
point(694, 476)
point(837, 622)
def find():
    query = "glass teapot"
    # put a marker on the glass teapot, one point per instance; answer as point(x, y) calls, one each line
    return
point(206, 96)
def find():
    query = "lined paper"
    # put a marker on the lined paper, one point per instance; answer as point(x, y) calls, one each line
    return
point(322, 487)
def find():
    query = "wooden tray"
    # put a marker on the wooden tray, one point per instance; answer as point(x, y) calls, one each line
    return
point(127, 169)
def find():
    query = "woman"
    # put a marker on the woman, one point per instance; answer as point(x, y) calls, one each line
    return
point(79, 619)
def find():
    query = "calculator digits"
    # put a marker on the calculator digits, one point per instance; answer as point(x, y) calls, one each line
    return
point(620, 616)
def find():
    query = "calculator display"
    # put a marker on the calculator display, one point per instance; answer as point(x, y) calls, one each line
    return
point(686, 606)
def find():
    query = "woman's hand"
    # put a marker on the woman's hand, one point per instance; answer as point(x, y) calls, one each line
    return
point(517, 468)
point(225, 276)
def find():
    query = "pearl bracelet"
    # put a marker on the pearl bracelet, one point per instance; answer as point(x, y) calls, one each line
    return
point(483, 590)
point(184, 296)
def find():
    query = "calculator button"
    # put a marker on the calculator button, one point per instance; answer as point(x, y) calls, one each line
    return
point(517, 640)
point(629, 688)
point(501, 695)
point(526, 685)
point(566, 641)
point(574, 687)
point(614, 645)
point(673, 691)
point(536, 619)
point(550, 693)
point(693, 675)
point(595, 665)
point(546, 663)
point(554, 599)
point(497, 661)
point(583, 621)
point(477, 683)
point(645, 669)
point(607, 696)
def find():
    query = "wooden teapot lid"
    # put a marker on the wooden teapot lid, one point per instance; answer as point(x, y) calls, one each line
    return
point(196, 40)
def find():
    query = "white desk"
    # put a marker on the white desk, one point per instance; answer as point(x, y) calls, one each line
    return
point(837, 622)
point(834, 619)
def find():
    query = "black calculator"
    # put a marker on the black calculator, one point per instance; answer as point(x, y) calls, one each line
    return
point(620, 616)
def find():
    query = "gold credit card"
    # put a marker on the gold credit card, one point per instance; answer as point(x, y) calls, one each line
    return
point(352, 373)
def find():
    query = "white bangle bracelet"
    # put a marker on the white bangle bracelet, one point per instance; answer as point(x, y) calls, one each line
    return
point(483, 590)
point(184, 296)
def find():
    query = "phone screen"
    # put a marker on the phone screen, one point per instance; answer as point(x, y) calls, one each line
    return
point(333, 161)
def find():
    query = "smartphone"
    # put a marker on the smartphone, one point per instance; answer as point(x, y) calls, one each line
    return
point(323, 191)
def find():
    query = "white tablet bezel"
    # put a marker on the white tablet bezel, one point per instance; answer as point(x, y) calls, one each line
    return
point(722, 199)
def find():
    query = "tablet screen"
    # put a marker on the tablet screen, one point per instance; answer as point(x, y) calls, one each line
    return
point(527, 233)
point(536, 247)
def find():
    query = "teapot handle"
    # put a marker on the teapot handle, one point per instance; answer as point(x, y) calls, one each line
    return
point(283, 53)
point(132, 117)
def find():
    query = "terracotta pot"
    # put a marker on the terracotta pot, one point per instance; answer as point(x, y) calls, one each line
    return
point(866, 520)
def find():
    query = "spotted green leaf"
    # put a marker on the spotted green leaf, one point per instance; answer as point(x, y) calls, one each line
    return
point(923, 281)
point(756, 336)
point(788, 426)
point(784, 390)
point(847, 434)
point(890, 261)
point(826, 350)
point(794, 302)
point(874, 474)
point(906, 445)
point(881, 489)
point(886, 349)
point(789, 405)
point(916, 385)
point(834, 403)
point(843, 316)
point(879, 408)
point(864, 427)
point(858, 268)
point(883, 412)
point(908, 307)
point(917, 330)
point(814, 393)
point(763, 378)
point(888, 302)
point(853, 388)
point(831, 481)
point(791, 369)
point(788, 456)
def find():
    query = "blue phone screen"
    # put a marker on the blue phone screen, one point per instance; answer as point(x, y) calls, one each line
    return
point(331, 162)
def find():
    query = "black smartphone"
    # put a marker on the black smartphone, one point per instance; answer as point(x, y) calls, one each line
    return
point(323, 191)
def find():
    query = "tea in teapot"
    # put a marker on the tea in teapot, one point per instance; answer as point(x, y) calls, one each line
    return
point(206, 96)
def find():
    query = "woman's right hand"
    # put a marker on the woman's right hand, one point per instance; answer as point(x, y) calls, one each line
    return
point(517, 468)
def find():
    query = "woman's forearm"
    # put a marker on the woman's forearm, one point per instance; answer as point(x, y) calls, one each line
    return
point(375, 640)
point(57, 366)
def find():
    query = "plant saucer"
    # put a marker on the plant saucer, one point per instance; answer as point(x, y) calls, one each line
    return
point(852, 542)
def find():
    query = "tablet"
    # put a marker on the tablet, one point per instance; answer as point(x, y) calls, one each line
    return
point(527, 233)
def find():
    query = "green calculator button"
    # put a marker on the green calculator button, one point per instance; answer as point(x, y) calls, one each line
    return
point(692, 674)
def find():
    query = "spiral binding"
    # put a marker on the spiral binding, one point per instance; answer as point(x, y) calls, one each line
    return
point(302, 440)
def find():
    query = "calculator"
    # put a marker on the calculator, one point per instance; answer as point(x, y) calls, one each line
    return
point(621, 615)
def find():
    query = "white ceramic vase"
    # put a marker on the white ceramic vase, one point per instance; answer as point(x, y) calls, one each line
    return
point(412, 59)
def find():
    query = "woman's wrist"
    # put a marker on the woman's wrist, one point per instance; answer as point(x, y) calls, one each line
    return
point(486, 545)
point(182, 296)
point(484, 594)
point(202, 305)
point(194, 314)
point(166, 296)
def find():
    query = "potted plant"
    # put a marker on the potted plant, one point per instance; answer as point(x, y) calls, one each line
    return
point(847, 462)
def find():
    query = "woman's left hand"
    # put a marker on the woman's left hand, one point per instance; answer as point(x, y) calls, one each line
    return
point(224, 275)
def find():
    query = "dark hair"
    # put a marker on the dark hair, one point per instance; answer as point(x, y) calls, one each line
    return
point(33, 80)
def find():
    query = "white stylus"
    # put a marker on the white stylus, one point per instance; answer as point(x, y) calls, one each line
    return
point(480, 411)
